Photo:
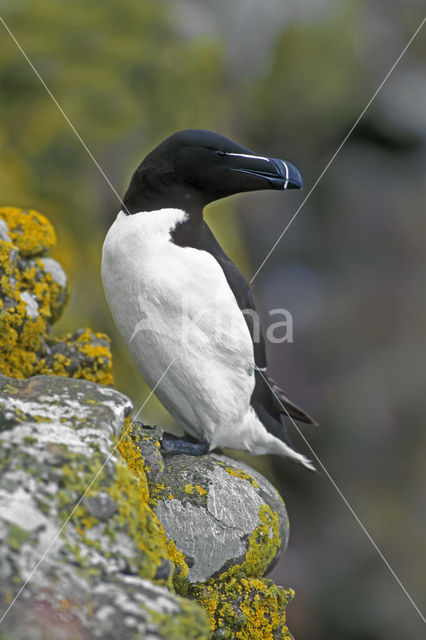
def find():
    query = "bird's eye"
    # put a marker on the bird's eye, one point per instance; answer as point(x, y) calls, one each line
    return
point(221, 154)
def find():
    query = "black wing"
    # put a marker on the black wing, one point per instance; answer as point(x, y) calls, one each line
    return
point(240, 288)
point(268, 400)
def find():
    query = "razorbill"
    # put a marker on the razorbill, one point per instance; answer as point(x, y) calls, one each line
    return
point(177, 299)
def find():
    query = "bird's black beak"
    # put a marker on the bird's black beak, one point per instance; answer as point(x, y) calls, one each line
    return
point(277, 173)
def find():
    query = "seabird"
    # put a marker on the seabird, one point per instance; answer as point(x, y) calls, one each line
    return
point(169, 286)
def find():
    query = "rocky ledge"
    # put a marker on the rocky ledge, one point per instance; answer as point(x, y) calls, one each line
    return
point(102, 536)
point(180, 556)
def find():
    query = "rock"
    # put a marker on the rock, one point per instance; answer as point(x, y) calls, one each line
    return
point(101, 507)
point(59, 290)
point(4, 232)
point(147, 441)
point(101, 556)
point(71, 404)
point(230, 524)
point(21, 334)
point(82, 354)
point(76, 521)
point(249, 607)
point(127, 607)
point(29, 230)
point(221, 514)
point(33, 293)
point(83, 553)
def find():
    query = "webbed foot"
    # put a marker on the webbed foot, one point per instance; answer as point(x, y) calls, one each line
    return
point(175, 444)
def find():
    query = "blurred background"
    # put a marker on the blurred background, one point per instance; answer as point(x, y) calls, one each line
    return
point(287, 79)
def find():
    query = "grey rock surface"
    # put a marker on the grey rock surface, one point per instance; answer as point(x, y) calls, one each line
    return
point(147, 441)
point(74, 521)
point(4, 231)
point(58, 275)
point(74, 404)
point(212, 506)
point(122, 607)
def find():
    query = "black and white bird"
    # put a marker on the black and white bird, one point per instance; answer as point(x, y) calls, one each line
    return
point(169, 284)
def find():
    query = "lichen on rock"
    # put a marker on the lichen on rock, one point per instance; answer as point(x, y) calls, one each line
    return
point(34, 290)
point(229, 525)
point(240, 519)
point(141, 448)
point(141, 545)
point(65, 488)
point(30, 231)
point(245, 608)
point(82, 354)
point(113, 563)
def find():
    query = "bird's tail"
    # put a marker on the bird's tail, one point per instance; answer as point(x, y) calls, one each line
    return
point(265, 434)
point(290, 408)
point(284, 450)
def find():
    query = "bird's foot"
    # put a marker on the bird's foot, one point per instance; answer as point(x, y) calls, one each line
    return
point(173, 444)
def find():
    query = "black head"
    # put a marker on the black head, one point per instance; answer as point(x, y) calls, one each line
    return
point(194, 167)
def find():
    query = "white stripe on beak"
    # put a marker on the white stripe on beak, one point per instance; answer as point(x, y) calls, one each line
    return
point(246, 155)
point(286, 175)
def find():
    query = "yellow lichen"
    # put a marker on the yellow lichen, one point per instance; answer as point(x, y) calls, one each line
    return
point(31, 300)
point(239, 473)
point(239, 599)
point(178, 559)
point(133, 517)
point(87, 521)
point(167, 489)
point(246, 609)
point(29, 230)
point(264, 544)
point(135, 463)
point(65, 604)
point(129, 492)
point(20, 336)
point(90, 349)
point(101, 355)
point(133, 457)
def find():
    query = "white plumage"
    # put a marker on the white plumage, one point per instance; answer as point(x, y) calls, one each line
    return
point(173, 304)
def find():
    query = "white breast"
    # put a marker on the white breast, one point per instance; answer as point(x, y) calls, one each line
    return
point(173, 303)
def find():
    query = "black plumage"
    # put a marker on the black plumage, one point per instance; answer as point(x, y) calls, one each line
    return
point(188, 171)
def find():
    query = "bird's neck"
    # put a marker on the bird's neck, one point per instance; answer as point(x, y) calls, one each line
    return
point(152, 191)
point(146, 196)
point(189, 233)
